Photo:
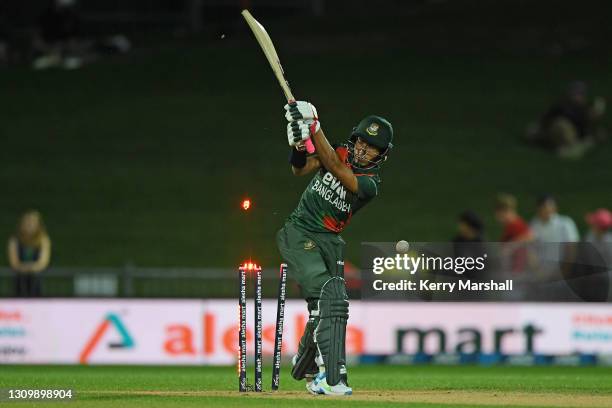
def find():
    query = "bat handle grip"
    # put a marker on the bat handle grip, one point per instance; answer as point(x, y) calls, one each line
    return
point(309, 146)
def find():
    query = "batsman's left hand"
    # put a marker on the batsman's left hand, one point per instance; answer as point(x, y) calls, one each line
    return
point(300, 110)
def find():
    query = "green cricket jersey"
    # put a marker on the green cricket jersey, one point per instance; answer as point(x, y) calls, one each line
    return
point(327, 206)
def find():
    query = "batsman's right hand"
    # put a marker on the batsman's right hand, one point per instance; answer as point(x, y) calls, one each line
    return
point(300, 110)
point(301, 130)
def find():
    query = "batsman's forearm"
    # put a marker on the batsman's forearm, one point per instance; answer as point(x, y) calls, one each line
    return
point(326, 153)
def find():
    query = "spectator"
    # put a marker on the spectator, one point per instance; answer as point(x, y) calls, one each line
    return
point(592, 272)
point(516, 231)
point(29, 252)
point(572, 125)
point(470, 231)
point(61, 40)
point(59, 37)
point(515, 228)
point(469, 228)
point(556, 245)
point(549, 225)
point(600, 235)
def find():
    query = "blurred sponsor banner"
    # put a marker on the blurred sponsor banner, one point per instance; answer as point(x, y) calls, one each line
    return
point(95, 331)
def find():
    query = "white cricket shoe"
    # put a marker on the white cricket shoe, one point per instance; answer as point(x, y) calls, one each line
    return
point(307, 377)
point(319, 386)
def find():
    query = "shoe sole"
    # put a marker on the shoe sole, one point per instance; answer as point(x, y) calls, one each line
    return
point(321, 391)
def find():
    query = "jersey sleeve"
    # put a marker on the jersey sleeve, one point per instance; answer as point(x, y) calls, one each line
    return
point(367, 187)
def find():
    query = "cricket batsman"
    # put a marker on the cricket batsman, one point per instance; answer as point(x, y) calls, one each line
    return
point(345, 179)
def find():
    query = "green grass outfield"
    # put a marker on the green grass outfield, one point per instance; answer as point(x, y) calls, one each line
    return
point(377, 386)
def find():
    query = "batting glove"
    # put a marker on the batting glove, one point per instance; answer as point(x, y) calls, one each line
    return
point(300, 110)
point(301, 130)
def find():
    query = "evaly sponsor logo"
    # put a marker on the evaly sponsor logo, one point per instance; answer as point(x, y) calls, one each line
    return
point(111, 320)
point(334, 184)
point(332, 191)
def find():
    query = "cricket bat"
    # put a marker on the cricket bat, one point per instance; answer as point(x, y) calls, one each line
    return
point(265, 42)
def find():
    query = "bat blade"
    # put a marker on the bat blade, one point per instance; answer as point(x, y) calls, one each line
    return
point(265, 42)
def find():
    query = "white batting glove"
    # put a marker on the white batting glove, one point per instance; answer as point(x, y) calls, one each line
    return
point(300, 110)
point(301, 130)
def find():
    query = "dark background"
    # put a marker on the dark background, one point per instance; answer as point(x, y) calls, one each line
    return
point(144, 158)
